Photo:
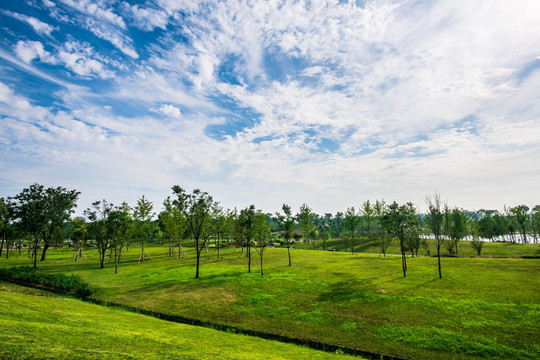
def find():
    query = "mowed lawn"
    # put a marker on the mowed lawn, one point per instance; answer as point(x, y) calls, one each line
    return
point(38, 325)
point(482, 308)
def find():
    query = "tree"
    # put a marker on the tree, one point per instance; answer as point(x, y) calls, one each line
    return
point(142, 214)
point(42, 211)
point(246, 222)
point(352, 222)
point(196, 209)
point(535, 222)
point(476, 241)
point(383, 238)
point(400, 222)
point(458, 229)
point(286, 224)
point(79, 232)
point(305, 218)
point(261, 233)
point(368, 213)
point(485, 227)
point(219, 218)
point(120, 226)
point(435, 220)
point(7, 216)
point(521, 216)
point(412, 240)
point(98, 226)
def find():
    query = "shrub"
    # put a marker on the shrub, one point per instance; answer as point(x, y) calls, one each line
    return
point(66, 284)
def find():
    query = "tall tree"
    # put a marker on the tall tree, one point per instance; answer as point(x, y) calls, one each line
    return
point(219, 219)
point(246, 221)
point(261, 234)
point(400, 222)
point(120, 225)
point(535, 222)
point(382, 237)
point(286, 224)
point(458, 228)
point(79, 232)
point(305, 218)
point(99, 228)
point(142, 214)
point(368, 214)
point(435, 219)
point(42, 211)
point(196, 208)
point(521, 216)
point(7, 216)
point(352, 223)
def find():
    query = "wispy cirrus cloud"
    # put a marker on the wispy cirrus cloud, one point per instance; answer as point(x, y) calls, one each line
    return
point(321, 102)
point(39, 27)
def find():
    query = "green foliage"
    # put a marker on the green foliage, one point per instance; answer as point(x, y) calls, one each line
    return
point(67, 284)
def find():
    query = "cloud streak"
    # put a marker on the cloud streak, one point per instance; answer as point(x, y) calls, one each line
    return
point(327, 103)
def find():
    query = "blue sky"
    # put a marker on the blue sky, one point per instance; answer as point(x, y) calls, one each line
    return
point(329, 103)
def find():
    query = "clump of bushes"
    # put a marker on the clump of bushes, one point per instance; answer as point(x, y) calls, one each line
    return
point(62, 283)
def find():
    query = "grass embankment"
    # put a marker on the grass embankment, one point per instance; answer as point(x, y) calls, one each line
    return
point(489, 249)
point(39, 325)
point(482, 308)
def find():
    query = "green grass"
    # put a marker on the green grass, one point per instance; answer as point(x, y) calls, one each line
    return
point(364, 245)
point(37, 325)
point(483, 308)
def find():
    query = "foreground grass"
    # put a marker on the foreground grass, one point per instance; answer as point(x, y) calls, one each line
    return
point(481, 309)
point(34, 324)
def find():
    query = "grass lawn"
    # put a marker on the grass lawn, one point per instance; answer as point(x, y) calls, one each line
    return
point(364, 245)
point(482, 308)
point(39, 325)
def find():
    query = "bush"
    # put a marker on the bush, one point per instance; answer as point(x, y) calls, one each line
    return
point(66, 284)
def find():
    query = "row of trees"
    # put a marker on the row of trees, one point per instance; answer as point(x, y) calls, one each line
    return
point(43, 216)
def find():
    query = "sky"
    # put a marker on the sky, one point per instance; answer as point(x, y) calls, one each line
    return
point(328, 103)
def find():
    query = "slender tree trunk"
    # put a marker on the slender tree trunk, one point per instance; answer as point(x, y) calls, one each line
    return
point(141, 258)
point(115, 261)
point(261, 253)
point(44, 253)
point(249, 255)
point(35, 253)
point(2, 246)
point(439, 257)
point(198, 257)
point(289, 251)
point(102, 258)
point(403, 259)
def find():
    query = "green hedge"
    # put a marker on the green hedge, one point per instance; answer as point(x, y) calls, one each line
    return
point(66, 284)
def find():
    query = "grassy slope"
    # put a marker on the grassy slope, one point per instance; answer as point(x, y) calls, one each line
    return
point(482, 308)
point(464, 248)
point(38, 325)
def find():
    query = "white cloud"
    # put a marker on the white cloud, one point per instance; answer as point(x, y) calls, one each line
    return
point(97, 10)
point(82, 59)
point(169, 110)
point(110, 34)
point(390, 84)
point(39, 26)
point(146, 19)
point(30, 50)
point(77, 57)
